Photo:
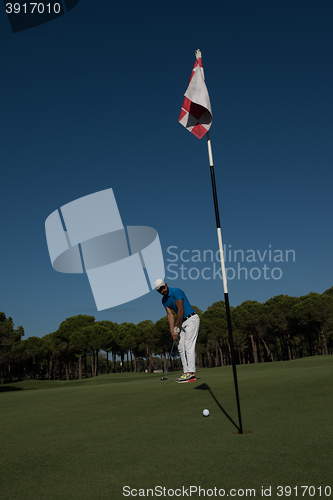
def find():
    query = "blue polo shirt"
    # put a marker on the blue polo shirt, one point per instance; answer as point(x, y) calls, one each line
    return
point(174, 295)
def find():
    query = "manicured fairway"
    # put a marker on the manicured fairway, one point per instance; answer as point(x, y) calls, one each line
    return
point(88, 439)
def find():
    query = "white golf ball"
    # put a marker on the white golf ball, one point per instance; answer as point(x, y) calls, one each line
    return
point(205, 413)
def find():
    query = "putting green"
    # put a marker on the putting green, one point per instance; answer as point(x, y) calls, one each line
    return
point(91, 438)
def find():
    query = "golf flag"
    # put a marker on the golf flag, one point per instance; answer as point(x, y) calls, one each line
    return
point(196, 113)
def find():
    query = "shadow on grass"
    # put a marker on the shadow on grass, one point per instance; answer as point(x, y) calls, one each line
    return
point(8, 388)
point(205, 387)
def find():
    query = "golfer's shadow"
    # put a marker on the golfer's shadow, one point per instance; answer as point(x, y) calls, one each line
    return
point(205, 387)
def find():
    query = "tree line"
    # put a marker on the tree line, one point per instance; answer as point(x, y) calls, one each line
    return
point(283, 328)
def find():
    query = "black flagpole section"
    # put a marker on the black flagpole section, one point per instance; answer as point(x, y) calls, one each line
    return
point(226, 297)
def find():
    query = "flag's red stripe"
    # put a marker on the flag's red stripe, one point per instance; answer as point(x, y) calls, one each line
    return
point(182, 114)
point(193, 70)
point(199, 131)
point(186, 104)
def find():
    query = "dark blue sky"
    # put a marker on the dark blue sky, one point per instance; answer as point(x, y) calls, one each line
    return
point(91, 101)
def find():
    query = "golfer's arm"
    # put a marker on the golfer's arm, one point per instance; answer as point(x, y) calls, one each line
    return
point(171, 319)
point(180, 312)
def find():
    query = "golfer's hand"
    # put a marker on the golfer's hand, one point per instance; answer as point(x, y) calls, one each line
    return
point(176, 332)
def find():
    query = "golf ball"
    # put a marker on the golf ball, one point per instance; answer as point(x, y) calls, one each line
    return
point(205, 413)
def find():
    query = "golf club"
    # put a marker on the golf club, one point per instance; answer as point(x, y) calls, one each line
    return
point(166, 373)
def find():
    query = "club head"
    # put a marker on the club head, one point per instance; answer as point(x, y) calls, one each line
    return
point(164, 378)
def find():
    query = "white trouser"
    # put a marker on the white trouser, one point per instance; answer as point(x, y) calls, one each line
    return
point(186, 345)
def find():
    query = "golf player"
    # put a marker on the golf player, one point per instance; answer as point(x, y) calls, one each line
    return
point(186, 326)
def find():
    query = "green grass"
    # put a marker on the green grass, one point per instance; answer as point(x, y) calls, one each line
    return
point(88, 439)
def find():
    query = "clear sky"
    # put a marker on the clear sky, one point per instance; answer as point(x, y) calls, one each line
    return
point(91, 101)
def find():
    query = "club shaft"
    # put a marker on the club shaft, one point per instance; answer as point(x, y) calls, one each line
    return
point(169, 358)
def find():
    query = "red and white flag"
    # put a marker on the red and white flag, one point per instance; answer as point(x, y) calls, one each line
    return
point(196, 113)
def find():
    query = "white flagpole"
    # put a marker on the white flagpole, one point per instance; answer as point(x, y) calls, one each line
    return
point(219, 233)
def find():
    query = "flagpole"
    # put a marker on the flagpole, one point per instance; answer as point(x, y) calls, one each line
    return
point(196, 116)
point(224, 278)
